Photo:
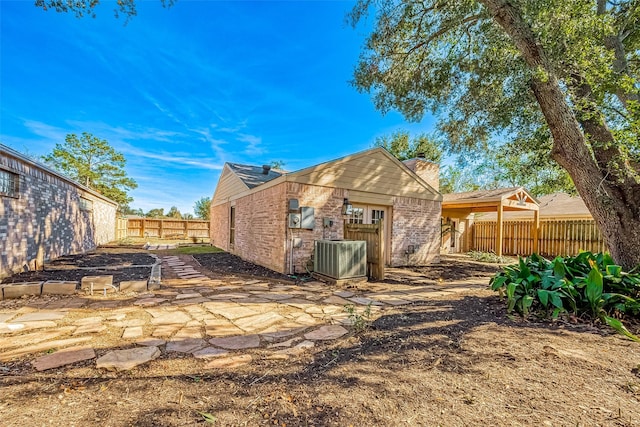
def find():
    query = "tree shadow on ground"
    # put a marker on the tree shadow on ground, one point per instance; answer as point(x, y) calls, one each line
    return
point(428, 337)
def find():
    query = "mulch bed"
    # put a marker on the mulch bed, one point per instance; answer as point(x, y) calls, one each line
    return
point(229, 264)
point(102, 259)
point(66, 267)
point(120, 275)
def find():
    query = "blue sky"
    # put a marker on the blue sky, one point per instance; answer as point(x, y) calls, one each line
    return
point(181, 91)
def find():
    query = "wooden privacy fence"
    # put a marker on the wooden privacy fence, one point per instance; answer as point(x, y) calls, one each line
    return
point(556, 237)
point(121, 228)
point(374, 236)
point(167, 227)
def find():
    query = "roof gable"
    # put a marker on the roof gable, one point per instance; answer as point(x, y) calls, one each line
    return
point(372, 171)
point(229, 184)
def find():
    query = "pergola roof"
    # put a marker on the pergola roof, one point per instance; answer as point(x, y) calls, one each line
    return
point(511, 199)
point(499, 200)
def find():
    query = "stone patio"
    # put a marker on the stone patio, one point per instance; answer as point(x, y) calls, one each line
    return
point(224, 323)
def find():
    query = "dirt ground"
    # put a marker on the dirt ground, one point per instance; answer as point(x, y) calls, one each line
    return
point(456, 360)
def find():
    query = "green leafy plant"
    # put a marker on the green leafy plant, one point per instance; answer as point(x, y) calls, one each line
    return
point(587, 285)
point(208, 418)
point(359, 321)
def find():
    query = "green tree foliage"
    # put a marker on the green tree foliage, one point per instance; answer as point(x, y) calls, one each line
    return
point(82, 8)
point(277, 164)
point(403, 147)
point(155, 213)
point(202, 208)
point(520, 69)
point(174, 213)
point(457, 180)
point(93, 162)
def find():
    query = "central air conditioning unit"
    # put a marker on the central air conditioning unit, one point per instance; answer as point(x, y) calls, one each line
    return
point(340, 259)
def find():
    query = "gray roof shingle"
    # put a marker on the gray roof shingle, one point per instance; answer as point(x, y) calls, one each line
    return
point(253, 176)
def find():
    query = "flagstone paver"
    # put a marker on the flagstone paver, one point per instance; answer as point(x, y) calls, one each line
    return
point(32, 338)
point(329, 332)
point(43, 346)
point(129, 323)
point(221, 328)
point(229, 362)
point(236, 343)
point(297, 349)
point(334, 299)
point(165, 331)
point(63, 357)
point(258, 322)
point(6, 316)
point(151, 342)
point(186, 345)
point(91, 328)
point(209, 353)
point(124, 360)
point(211, 319)
point(40, 315)
point(230, 311)
point(27, 326)
point(132, 332)
point(171, 318)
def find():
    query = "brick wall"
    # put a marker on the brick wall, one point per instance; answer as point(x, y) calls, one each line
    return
point(219, 226)
point(415, 222)
point(45, 220)
point(327, 203)
point(263, 237)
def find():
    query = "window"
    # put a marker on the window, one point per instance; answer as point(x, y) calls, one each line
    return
point(9, 183)
point(357, 216)
point(376, 216)
point(232, 225)
point(86, 204)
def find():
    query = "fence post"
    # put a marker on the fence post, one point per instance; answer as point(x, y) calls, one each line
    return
point(499, 231)
point(536, 230)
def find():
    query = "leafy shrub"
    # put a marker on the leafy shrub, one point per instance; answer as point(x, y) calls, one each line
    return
point(587, 285)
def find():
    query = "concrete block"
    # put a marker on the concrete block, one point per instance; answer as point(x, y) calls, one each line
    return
point(133, 286)
point(17, 290)
point(59, 287)
point(153, 286)
point(100, 283)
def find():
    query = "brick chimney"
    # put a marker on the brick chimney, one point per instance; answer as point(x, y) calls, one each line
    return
point(428, 171)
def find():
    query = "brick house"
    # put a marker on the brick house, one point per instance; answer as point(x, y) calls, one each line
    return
point(251, 204)
point(44, 215)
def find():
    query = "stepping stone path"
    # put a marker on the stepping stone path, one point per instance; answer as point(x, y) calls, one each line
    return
point(220, 323)
point(123, 360)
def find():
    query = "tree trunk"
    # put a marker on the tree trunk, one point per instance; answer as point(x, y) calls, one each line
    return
point(611, 195)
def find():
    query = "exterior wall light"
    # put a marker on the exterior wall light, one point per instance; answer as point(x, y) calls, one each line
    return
point(347, 208)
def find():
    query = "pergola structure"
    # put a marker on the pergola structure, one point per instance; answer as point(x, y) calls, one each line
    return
point(461, 205)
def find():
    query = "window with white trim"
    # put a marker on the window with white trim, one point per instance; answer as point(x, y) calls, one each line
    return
point(9, 183)
point(357, 216)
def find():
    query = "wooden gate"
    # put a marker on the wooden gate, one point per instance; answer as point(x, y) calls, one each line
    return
point(121, 228)
point(374, 236)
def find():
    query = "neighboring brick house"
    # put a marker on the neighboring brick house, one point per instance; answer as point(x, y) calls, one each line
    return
point(44, 215)
point(249, 209)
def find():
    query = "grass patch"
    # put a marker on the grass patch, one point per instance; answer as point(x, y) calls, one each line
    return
point(194, 250)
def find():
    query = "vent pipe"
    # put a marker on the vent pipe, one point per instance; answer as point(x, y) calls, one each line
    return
point(266, 169)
